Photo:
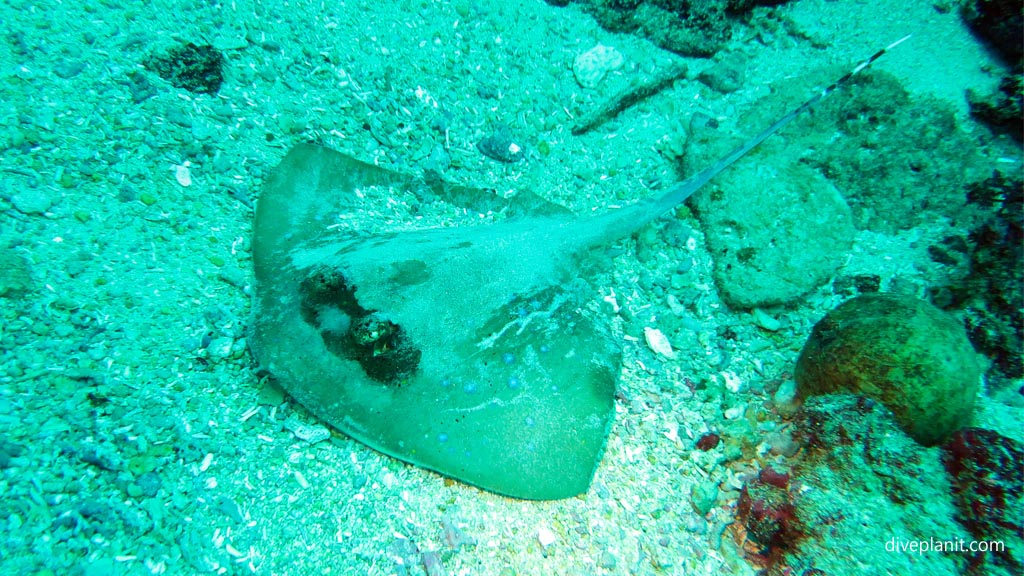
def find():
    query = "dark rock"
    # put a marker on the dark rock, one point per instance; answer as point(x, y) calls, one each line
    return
point(149, 483)
point(100, 458)
point(867, 283)
point(1002, 109)
point(723, 77)
point(198, 69)
point(988, 282)
point(708, 441)
point(501, 146)
point(1001, 22)
point(989, 490)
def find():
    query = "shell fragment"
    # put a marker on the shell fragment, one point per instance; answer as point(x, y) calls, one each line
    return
point(657, 341)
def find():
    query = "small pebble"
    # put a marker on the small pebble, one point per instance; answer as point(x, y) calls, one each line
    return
point(593, 65)
point(607, 560)
point(675, 305)
point(231, 509)
point(783, 444)
point(546, 537)
point(100, 458)
point(270, 394)
point(149, 483)
point(501, 146)
point(765, 320)
point(454, 536)
point(183, 175)
point(708, 441)
point(703, 497)
point(785, 399)
point(732, 382)
point(432, 563)
point(31, 201)
point(220, 348)
point(310, 433)
point(695, 525)
point(66, 69)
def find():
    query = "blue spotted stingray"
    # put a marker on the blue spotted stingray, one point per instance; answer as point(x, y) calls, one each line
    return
point(467, 350)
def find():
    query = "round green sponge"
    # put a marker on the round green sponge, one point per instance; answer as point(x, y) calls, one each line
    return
point(901, 351)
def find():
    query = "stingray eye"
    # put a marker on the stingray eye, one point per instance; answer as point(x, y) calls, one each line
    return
point(373, 331)
point(382, 349)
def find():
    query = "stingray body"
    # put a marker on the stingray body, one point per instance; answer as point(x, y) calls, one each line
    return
point(472, 350)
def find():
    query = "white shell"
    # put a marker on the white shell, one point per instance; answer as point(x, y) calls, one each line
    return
point(183, 175)
point(658, 342)
point(545, 536)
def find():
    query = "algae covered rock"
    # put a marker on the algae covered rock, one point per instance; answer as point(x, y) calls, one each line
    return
point(857, 472)
point(988, 488)
point(767, 250)
point(860, 492)
point(900, 351)
point(15, 274)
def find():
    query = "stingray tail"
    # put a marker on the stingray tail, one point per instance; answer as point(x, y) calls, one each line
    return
point(629, 219)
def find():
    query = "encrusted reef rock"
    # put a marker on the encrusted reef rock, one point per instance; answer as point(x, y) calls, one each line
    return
point(985, 271)
point(690, 27)
point(780, 222)
point(861, 494)
point(767, 250)
point(1003, 108)
point(901, 351)
point(988, 484)
point(901, 160)
point(1001, 22)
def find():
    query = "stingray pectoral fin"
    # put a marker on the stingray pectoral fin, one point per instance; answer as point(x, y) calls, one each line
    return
point(513, 394)
point(526, 416)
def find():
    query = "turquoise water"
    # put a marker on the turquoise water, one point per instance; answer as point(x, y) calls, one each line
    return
point(138, 434)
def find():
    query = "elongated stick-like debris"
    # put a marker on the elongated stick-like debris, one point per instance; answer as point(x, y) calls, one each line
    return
point(628, 97)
